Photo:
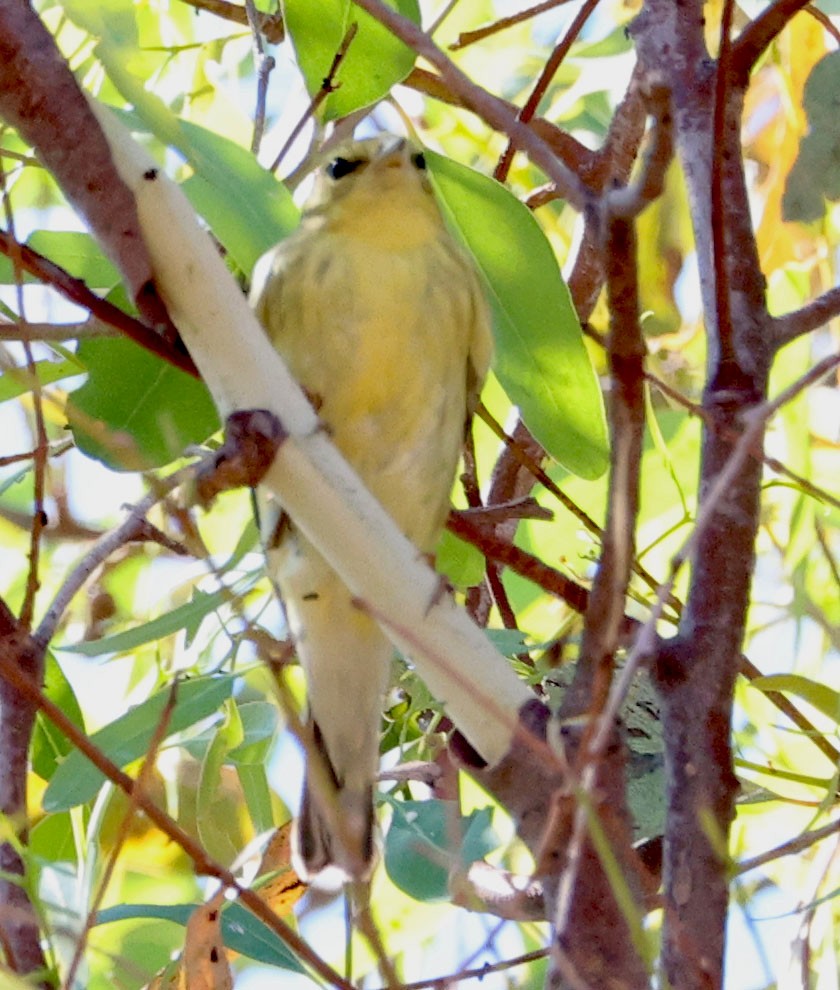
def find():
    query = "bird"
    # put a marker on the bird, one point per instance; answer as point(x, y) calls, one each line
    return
point(382, 318)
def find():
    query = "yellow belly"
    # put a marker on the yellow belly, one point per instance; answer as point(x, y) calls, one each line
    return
point(383, 346)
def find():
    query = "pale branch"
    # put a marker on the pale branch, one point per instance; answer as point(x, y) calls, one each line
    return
point(809, 317)
point(311, 480)
point(480, 102)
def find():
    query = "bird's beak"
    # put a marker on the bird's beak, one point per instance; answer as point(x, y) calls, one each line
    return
point(395, 154)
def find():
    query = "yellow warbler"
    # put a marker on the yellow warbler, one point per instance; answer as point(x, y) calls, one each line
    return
point(381, 318)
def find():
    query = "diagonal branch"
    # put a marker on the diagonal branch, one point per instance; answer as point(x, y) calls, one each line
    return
point(811, 316)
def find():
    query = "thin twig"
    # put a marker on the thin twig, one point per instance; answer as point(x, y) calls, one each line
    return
point(77, 292)
point(790, 848)
point(549, 70)
point(809, 317)
point(41, 450)
point(490, 109)
point(57, 333)
point(126, 532)
point(123, 831)
point(439, 982)
point(466, 38)
point(328, 86)
point(271, 25)
point(547, 482)
point(264, 63)
point(204, 864)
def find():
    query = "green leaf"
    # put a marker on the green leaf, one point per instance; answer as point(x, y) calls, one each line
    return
point(247, 207)
point(188, 617)
point(49, 745)
point(77, 252)
point(241, 931)
point(815, 175)
point(254, 781)
point(15, 382)
point(822, 697)
point(541, 360)
point(461, 562)
point(135, 411)
point(127, 738)
point(375, 60)
point(212, 830)
point(114, 18)
point(418, 854)
point(259, 725)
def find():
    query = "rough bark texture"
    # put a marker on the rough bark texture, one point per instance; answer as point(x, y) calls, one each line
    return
point(696, 672)
point(19, 927)
point(40, 98)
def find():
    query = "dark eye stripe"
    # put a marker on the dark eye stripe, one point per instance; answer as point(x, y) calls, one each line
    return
point(339, 167)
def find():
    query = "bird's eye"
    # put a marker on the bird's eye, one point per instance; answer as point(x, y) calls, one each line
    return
point(339, 167)
point(418, 160)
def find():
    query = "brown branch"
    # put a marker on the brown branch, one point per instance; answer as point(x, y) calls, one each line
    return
point(474, 98)
point(809, 317)
point(40, 98)
point(327, 86)
point(759, 34)
point(77, 292)
point(592, 929)
point(549, 70)
point(466, 38)
point(19, 927)
point(498, 549)
point(271, 25)
point(523, 458)
point(204, 864)
point(41, 451)
point(723, 311)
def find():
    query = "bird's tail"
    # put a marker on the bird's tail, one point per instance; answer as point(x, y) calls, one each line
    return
point(334, 838)
point(346, 659)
